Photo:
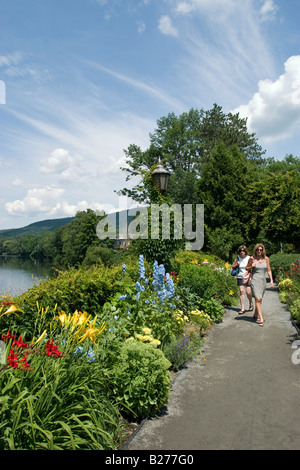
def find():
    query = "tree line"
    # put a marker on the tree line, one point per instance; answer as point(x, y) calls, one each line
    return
point(213, 160)
point(72, 244)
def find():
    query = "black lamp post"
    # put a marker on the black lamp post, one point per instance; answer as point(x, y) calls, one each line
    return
point(160, 177)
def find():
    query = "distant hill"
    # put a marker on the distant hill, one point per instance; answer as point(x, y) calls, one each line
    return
point(37, 228)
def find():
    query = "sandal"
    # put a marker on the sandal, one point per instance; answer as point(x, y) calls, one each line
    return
point(261, 323)
point(241, 312)
point(251, 309)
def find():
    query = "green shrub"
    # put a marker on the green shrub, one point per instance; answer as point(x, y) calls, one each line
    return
point(282, 264)
point(208, 283)
point(295, 308)
point(141, 380)
point(185, 256)
point(75, 289)
point(213, 308)
point(199, 279)
point(181, 350)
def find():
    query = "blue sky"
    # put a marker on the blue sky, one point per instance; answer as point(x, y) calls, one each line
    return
point(81, 80)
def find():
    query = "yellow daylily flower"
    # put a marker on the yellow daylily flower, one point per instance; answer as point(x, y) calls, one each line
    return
point(40, 338)
point(12, 309)
point(92, 332)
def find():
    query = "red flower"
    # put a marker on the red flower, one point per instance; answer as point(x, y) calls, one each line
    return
point(23, 364)
point(51, 349)
point(7, 336)
point(20, 344)
point(13, 359)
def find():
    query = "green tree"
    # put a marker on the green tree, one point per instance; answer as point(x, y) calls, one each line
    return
point(276, 201)
point(223, 191)
point(185, 143)
point(78, 236)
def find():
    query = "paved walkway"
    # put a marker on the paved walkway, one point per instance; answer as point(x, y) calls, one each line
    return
point(245, 396)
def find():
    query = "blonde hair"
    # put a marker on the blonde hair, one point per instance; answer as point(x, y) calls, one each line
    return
point(263, 249)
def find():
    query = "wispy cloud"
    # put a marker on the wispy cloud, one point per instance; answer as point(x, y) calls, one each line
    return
point(268, 10)
point(225, 49)
point(19, 65)
point(152, 91)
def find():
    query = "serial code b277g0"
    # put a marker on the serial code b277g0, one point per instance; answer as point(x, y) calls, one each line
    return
point(171, 459)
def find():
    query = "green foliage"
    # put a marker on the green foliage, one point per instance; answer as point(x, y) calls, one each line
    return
point(149, 303)
point(62, 404)
point(283, 263)
point(289, 284)
point(181, 350)
point(277, 200)
point(208, 282)
point(184, 143)
point(213, 308)
point(294, 308)
point(67, 245)
point(37, 228)
point(198, 279)
point(75, 289)
point(141, 380)
point(98, 254)
point(185, 256)
point(223, 192)
point(73, 401)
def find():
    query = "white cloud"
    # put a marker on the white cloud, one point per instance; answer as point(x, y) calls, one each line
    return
point(11, 59)
point(184, 8)
point(274, 111)
point(188, 6)
point(16, 182)
point(58, 162)
point(49, 201)
point(63, 208)
point(37, 200)
point(268, 10)
point(165, 26)
point(67, 167)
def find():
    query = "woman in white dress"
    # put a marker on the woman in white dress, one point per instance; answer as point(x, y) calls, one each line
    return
point(241, 261)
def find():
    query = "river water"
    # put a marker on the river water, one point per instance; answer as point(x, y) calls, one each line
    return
point(18, 275)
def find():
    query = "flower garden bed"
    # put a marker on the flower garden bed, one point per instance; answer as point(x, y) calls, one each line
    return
point(90, 354)
point(288, 277)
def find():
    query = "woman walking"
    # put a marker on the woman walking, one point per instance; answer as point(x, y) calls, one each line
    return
point(259, 266)
point(242, 261)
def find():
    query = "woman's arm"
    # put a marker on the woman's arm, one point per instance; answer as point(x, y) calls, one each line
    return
point(249, 265)
point(269, 271)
